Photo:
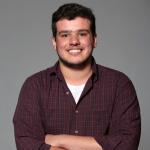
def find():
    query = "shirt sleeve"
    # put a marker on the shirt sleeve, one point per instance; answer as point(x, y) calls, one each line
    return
point(125, 125)
point(28, 128)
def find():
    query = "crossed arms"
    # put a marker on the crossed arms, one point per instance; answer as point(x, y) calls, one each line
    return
point(70, 142)
point(123, 132)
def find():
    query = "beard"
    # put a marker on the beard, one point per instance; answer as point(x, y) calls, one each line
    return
point(79, 65)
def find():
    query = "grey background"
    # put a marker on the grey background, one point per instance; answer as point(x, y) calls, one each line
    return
point(123, 28)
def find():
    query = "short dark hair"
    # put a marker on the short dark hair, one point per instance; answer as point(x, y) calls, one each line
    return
point(71, 11)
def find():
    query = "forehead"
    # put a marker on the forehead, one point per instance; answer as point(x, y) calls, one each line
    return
point(74, 24)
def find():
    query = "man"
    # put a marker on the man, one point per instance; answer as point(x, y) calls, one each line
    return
point(77, 104)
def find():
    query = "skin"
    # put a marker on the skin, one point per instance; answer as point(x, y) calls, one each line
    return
point(71, 142)
point(56, 148)
point(74, 42)
point(74, 45)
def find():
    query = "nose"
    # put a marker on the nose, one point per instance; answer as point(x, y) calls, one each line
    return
point(74, 40)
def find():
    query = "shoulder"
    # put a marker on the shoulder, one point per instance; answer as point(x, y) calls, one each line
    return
point(40, 78)
point(113, 79)
point(111, 75)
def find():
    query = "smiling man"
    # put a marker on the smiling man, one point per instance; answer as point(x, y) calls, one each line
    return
point(74, 42)
point(77, 104)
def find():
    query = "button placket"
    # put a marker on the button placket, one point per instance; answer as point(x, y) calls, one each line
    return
point(76, 111)
point(76, 131)
point(67, 92)
point(76, 128)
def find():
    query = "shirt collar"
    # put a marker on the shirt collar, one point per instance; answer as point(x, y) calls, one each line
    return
point(95, 74)
point(55, 70)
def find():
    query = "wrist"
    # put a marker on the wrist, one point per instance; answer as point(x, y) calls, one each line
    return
point(61, 140)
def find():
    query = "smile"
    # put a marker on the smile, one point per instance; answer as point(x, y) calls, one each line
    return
point(75, 51)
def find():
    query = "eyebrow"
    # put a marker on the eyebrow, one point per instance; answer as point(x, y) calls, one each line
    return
point(69, 31)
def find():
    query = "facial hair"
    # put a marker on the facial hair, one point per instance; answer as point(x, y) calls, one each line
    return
point(78, 66)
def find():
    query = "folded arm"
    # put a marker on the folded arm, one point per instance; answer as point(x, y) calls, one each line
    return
point(29, 132)
point(125, 122)
point(123, 131)
point(71, 142)
point(56, 148)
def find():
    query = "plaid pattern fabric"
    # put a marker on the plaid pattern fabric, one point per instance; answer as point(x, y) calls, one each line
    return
point(108, 110)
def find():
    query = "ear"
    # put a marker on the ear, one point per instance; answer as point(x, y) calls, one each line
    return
point(95, 42)
point(54, 43)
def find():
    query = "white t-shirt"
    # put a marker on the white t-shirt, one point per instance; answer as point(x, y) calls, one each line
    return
point(76, 91)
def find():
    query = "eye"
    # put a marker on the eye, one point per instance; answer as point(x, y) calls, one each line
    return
point(64, 35)
point(83, 33)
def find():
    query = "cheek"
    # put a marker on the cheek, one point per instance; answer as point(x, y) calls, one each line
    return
point(61, 44)
point(88, 44)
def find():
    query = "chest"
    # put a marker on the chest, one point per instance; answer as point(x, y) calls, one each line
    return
point(90, 116)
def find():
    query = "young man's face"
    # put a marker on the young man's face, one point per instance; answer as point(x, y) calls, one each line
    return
point(74, 41)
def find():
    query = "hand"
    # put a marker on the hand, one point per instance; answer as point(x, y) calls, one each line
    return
point(71, 142)
point(51, 140)
point(56, 148)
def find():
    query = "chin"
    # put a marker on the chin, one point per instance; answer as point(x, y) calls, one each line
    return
point(76, 64)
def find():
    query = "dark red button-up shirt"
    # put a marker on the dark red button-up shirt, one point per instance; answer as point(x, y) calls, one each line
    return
point(108, 110)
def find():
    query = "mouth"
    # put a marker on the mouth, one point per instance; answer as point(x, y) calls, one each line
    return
point(75, 51)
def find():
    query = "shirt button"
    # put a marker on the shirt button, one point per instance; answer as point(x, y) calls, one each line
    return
point(67, 93)
point(76, 131)
point(76, 111)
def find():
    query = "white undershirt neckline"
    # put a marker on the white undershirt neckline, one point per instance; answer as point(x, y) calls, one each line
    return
point(76, 91)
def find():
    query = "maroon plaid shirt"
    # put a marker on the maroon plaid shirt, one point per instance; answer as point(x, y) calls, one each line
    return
point(108, 110)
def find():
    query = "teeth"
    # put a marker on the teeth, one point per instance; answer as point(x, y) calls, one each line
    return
point(75, 51)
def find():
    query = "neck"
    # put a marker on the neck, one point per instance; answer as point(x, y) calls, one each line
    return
point(76, 76)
